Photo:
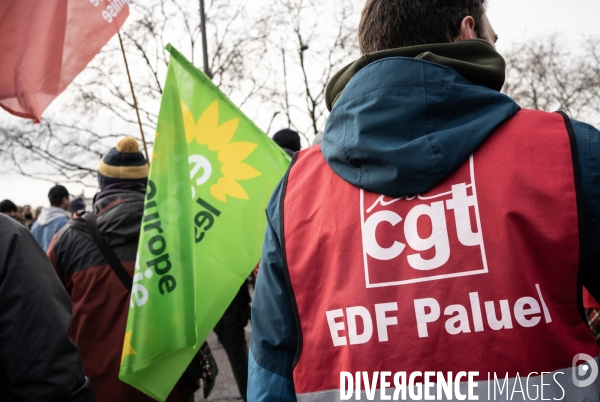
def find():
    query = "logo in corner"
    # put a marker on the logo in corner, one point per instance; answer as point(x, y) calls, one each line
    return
point(584, 374)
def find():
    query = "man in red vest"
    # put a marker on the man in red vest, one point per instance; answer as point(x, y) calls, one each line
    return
point(435, 246)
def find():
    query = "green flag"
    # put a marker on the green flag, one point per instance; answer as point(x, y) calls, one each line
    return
point(211, 176)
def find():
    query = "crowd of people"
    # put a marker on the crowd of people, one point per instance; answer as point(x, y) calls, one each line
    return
point(25, 215)
point(74, 243)
point(45, 221)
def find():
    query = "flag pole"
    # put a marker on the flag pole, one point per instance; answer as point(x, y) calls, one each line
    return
point(204, 41)
point(135, 105)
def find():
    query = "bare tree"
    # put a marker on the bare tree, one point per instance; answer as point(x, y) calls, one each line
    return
point(246, 45)
point(51, 148)
point(98, 107)
point(544, 74)
point(317, 40)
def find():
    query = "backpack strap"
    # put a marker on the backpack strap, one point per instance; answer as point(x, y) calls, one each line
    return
point(107, 252)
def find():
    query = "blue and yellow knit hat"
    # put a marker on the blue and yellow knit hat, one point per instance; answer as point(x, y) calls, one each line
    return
point(124, 163)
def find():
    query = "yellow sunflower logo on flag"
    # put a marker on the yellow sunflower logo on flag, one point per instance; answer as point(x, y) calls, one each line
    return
point(231, 155)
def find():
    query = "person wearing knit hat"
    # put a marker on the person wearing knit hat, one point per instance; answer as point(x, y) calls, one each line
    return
point(288, 140)
point(100, 314)
point(123, 163)
point(77, 205)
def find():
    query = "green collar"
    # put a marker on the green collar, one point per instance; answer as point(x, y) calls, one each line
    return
point(476, 60)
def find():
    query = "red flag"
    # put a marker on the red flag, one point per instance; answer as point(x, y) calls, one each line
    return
point(45, 44)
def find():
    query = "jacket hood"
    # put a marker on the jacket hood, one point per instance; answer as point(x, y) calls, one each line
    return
point(51, 214)
point(403, 120)
point(119, 211)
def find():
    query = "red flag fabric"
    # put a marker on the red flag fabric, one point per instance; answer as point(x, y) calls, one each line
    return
point(45, 44)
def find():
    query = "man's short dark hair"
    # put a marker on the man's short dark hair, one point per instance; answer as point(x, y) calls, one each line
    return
point(8, 206)
point(56, 195)
point(390, 24)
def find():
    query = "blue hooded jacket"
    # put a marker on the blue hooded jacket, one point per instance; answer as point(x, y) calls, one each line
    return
point(400, 126)
point(50, 221)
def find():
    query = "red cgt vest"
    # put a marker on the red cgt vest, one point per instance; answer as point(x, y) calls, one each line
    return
point(478, 275)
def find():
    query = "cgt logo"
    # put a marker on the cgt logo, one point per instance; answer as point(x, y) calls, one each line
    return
point(425, 237)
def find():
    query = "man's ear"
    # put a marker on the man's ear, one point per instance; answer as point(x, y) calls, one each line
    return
point(467, 29)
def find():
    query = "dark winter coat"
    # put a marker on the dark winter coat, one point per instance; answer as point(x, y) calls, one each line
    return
point(100, 300)
point(38, 361)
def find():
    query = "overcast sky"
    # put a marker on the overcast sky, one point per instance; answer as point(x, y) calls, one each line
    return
point(513, 20)
point(517, 20)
